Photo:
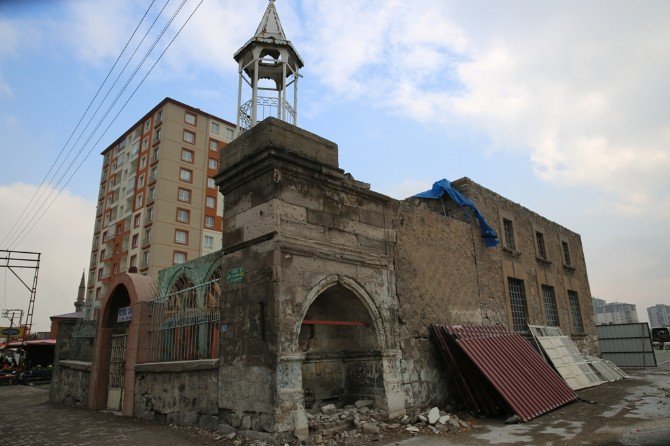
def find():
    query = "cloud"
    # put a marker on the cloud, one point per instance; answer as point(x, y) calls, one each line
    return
point(576, 87)
point(63, 237)
point(9, 36)
point(406, 187)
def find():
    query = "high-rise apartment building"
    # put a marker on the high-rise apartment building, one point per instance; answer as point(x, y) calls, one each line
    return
point(659, 316)
point(158, 204)
point(614, 313)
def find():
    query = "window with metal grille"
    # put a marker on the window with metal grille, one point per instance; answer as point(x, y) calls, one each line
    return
point(541, 250)
point(566, 253)
point(577, 325)
point(508, 229)
point(550, 309)
point(517, 297)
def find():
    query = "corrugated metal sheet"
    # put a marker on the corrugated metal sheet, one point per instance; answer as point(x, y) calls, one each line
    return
point(508, 362)
point(627, 345)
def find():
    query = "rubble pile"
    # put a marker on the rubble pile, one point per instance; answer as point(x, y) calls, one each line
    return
point(330, 426)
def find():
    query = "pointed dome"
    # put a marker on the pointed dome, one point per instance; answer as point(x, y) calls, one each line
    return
point(270, 26)
point(269, 34)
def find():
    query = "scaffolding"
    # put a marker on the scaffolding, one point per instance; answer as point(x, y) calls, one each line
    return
point(21, 260)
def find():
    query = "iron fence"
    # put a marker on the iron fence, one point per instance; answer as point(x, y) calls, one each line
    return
point(82, 339)
point(185, 323)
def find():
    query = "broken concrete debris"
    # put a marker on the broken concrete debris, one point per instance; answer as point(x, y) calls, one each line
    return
point(330, 425)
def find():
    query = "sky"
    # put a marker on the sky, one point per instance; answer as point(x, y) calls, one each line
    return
point(559, 106)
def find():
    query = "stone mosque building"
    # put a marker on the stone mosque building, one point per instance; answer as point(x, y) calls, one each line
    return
point(323, 289)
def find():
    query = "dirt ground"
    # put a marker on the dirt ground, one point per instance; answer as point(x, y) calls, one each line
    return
point(635, 411)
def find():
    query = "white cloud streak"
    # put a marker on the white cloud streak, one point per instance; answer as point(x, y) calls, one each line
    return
point(63, 237)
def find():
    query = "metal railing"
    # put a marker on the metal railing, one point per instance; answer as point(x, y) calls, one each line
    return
point(185, 324)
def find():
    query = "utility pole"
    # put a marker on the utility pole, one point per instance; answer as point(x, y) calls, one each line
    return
point(11, 314)
point(20, 260)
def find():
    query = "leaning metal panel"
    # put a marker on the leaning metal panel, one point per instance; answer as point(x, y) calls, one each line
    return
point(564, 355)
point(185, 323)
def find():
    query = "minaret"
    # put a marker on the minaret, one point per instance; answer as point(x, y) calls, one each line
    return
point(269, 65)
point(79, 304)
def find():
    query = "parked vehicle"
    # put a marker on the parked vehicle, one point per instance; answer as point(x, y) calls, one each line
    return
point(660, 336)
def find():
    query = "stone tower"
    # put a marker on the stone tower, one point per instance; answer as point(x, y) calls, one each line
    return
point(79, 303)
point(269, 65)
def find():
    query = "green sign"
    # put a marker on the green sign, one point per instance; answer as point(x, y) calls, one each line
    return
point(235, 275)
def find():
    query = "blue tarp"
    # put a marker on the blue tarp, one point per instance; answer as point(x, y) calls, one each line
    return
point(444, 187)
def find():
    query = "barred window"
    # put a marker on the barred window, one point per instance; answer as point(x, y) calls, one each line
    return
point(508, 229)
point(550, 309)
point(517, 297)
point(577, 324)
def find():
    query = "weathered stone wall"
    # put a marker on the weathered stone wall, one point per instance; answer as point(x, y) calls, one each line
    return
point(525, 262)
point(184, 393)
point(441, 278)
point(70, 383)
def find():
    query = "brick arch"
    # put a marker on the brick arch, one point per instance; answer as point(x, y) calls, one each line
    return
point(137, 290)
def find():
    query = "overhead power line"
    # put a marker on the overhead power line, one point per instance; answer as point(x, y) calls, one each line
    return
point(46, 208)
point(40, 189)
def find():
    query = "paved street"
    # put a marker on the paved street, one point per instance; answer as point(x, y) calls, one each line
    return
point(26, 418)
point(628, 412)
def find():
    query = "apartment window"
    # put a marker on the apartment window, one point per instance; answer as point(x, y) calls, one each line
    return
point(183, 215)
point(211, 183)
point(147, 236)
point(189, 136)
point(157, 135)
point(133, 260)
point(508, 230)
point(145, 143)
point(135, 240)
point(210, 202)
point(136, 222)
point(154, 154)
point(178, 257)
point(143, 162)
point(209, 242)
point(213, 145)
point(185, 175)
point(215, 128)
point(187, 155)
point(180, 237)
point(159, 116)
point(145, 258)
point(101, 273)
point(213, 163)
point(152, 193)
point(147, 125)
point(566, 254)
point(550, 309)
point(139, 200)
point(517, 297)
point(97, 293)
point(140, 181)
point(209, 221)
point(189, 118)
point(102, 254)
point(152, 173)
point(541, 249)
point(184, 195)
point(231, 133)
point(577, 324)
point(150, 215)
